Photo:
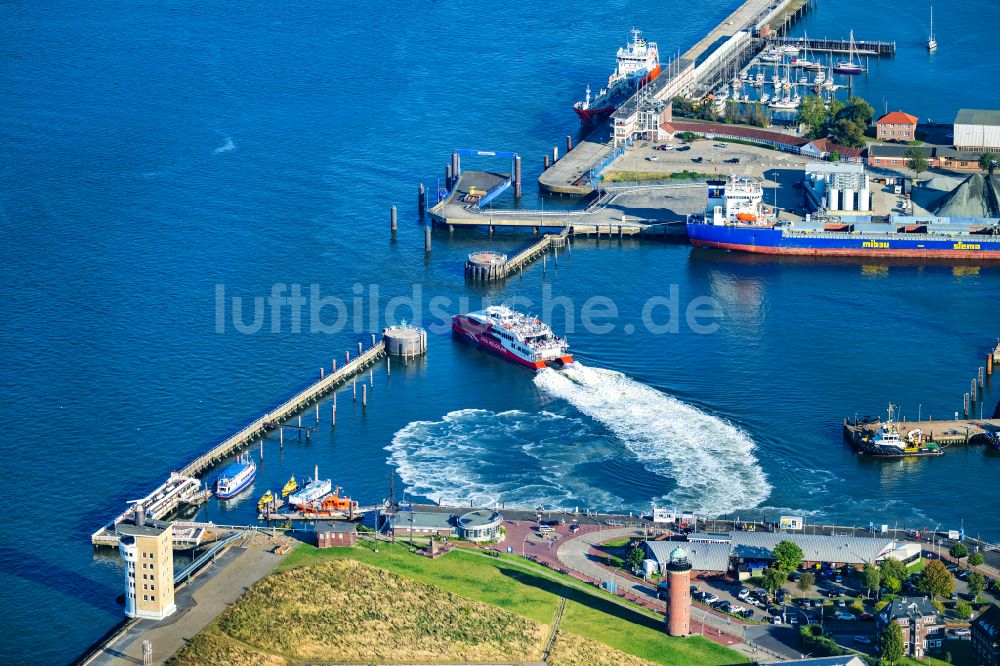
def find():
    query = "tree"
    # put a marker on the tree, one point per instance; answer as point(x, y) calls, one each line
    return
point(774, 579)
point(806, 582)
point(787, 556)
point(936, 580)
point(835, 156)
point(859, 111)
point(893, 573)
point(987, 160)
point(917, 160)
point(890, 643)
point(635, 557)
point(847, 132)
point(977, 583)
point(963, 609)
point(814, 114)
point(873, 578)
point(958, 551)
point(731, 112)
point(975, 559)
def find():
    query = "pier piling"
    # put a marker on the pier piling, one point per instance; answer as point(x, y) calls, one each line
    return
point(364, 396)
point(299, 424)
point(546, 163)
point(333, 365)
point(965, 406)
point(569, 143)
point(427, 240)
point(392, 219)
point(333, 416)
point(354, 386)
point(317, 414)
point(555, 154)
point(388, 366)
point(321, 371)
point(421, 199)
point(973, 391)
point(359, 348)
point(281, 437)
point(517, 176)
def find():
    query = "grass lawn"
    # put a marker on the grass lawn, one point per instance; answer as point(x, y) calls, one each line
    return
point(961, 655)
point(917, 566)
point(634, 176)
point(617, 543)
point(534, 592)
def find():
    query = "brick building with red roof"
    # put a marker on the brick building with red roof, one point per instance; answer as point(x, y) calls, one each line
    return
point(896, 126)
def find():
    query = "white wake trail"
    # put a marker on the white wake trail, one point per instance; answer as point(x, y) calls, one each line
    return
point(710, 459)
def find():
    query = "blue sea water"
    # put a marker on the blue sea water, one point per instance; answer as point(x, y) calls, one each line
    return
point(150, 152)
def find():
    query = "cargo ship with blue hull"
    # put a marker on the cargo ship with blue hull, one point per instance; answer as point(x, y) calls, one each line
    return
point(737, 220)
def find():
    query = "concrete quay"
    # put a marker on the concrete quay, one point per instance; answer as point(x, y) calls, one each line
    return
point(941, 432)
point(620, 211)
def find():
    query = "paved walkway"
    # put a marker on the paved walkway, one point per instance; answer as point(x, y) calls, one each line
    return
point(577, 554)
point(198, 603)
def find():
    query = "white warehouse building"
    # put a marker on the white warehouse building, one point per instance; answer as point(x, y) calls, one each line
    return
point(977, 130)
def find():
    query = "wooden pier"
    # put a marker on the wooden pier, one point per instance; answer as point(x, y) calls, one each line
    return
point(490, 266)
point(184, 488)
point(861, 47)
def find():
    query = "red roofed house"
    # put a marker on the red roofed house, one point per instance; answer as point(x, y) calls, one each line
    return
point(896, 126)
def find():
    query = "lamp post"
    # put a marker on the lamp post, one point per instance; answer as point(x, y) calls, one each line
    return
point(524, 543)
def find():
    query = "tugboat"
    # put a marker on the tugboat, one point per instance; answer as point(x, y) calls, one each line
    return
point(512, 335)
point(888, 443)
point(236, 478)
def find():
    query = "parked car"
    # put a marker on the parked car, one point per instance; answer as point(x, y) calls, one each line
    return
point(736, 608)
point(733, 160)
point(817, 603)
point(681, 149)
point(743, 594)
point(574, 527)
point(709, 598)
point(863, 640)
point(653, 158)
point(843, 615)
point(775, 619)
point(720, 145)
point(723, 605)
point(841, 603)
point(746, 614)
point(697, 160)
point(866, 617)
point(795, 576)
point(959, 633)
point(838, 578)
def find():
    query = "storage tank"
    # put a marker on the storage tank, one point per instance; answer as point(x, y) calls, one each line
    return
point(864, 199)
point(848, 203)
point(834, 196)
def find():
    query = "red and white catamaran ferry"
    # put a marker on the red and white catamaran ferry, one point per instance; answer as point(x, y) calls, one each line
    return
point(514, 336)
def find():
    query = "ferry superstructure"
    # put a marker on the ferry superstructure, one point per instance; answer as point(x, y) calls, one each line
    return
point(512, 335)
point(236, 477)
point(738, 220)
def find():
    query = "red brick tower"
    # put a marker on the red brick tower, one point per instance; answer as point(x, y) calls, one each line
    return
point(679, 597)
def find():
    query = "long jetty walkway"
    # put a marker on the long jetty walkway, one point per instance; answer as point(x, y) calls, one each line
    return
point(184, 488)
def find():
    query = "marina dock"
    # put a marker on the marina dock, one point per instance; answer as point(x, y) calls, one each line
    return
point(184, 488)
point(861, 47)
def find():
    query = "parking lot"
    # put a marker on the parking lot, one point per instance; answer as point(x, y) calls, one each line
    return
point(780, 171)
